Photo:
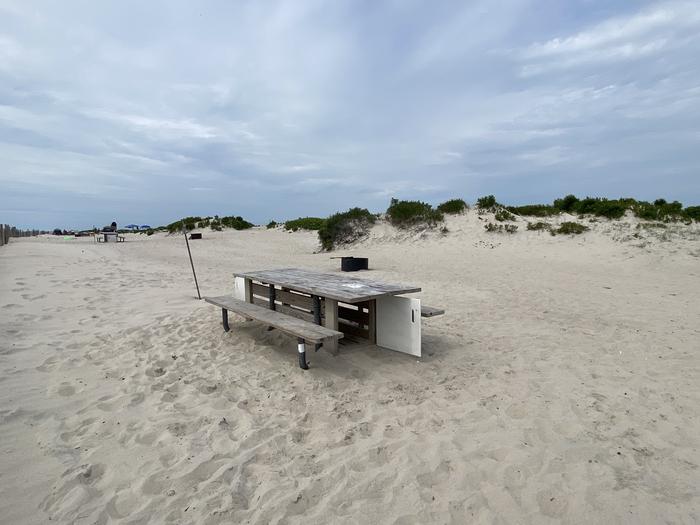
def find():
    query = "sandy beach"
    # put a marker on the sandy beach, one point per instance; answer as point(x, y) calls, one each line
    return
point(561, 386)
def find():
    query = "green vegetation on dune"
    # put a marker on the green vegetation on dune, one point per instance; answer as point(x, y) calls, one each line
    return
point(487, 203)
point(215, 223)
point(304, 223)
point(352, 225)
point(538, 226)
point(566, 204)
point(237, 223)
point(659, 210)
point(570, 228)
point(404, 214)
point(346, 227)
point(534, 210)
point(189, 223)
point(504, 215)
point(500, 228)
point(692, 213)
point(453, 207)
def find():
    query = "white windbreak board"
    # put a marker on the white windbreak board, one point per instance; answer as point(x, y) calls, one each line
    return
point(398, 324)
point(239, 288)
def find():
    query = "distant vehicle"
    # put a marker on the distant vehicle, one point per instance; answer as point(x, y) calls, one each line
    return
point(111, 228)
point(58, 231)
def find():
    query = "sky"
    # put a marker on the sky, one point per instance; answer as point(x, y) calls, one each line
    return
point(145, 112)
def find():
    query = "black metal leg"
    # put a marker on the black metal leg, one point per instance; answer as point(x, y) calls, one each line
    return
point(224, 318)
point(272, 296)
point(301, 346)
point(317, 316)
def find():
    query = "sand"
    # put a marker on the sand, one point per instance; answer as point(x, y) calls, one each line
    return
point(562, 385)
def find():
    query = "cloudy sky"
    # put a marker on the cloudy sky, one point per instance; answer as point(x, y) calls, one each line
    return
point(148, 111)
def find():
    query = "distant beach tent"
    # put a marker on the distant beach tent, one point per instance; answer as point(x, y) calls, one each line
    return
point(145, 227)
point(132, 226)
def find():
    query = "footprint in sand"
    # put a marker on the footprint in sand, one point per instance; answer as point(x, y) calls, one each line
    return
point(12, 305)
point(208, 389)
point(28, 297)
point(65, 390)
point(155, 372)
point(552, 503)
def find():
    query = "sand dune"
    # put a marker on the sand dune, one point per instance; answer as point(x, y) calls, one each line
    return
point(561, 385)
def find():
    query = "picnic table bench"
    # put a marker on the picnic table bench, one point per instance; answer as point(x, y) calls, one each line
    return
point(109, 237)
point(344, 306)
point(303, 330)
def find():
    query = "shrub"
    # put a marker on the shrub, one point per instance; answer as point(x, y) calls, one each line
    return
point(538, 226)
point(346, 227)
point(610, 209)
point(566, 204)
point(646, 211)
point(500, 228)
point(189, 223)
point(692, 213)
point(534, 210)
point(149, 232)
point(404, 214)
point(486, 203)
point(570, 228)
point(659, 211)
point(271, 224)
point(237, 223)
point(453, 206)
point(304, 223)
point(503, 215)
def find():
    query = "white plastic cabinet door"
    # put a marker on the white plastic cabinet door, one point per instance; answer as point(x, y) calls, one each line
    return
point(239, 288)
point(398, 324)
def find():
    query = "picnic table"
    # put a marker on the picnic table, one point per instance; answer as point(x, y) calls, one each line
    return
point(323, 307)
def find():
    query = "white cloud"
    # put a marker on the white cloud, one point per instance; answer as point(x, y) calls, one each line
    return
point(621, 38)
point(342, 104)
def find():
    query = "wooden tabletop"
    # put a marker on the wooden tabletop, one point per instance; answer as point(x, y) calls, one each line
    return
point(330, 285)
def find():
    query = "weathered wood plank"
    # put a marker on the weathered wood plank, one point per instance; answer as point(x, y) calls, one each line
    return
point(249, 290)
point(332, 286)
point(310, 332)
point(352, 329)
point(331, 322)
point(372, 322)
point(357, 316)
point(285, 297)
point(285, 309)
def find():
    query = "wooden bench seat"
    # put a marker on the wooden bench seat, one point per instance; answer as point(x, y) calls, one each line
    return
point(430, 311)
point(303, 330)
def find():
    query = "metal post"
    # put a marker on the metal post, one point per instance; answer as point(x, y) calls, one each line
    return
point(224, 317)
point(272, 296)
point(317, 316)
point(301, 347)
point(184, 230)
